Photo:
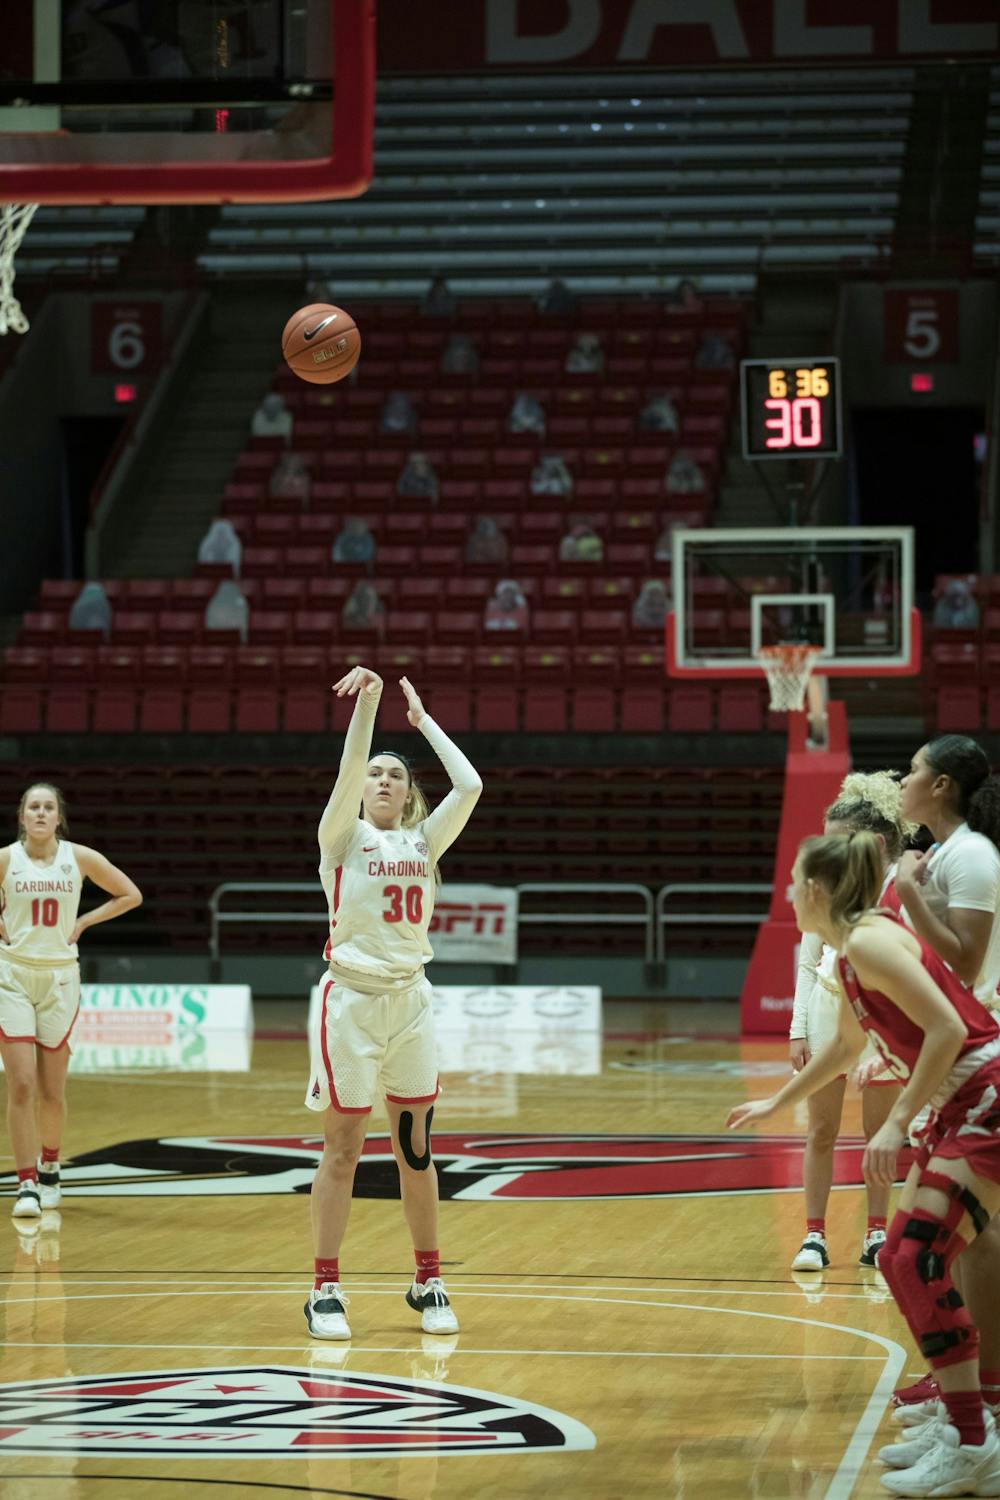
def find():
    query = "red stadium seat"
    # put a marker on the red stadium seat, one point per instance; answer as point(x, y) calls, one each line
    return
point(20, 709)
point(25, 664)
point(72, 664)
point(210, 710)
point(270, 627)
point(558, 626)
point(451, 705)
point(305, 710)
point(458, 627)
point(593, 708)
point(689, 709)
point(163, 664)
point(740, 707)
point(257, 666)
point(67, 710)
point(114, 709)
point(257, 710)
point(119, 664)
point(210, 666)
point(42, 628)
point(496, 707)
point(161, 710)
point(178, 627)
point(407, 627)
point(642, 709)
point(58, 594)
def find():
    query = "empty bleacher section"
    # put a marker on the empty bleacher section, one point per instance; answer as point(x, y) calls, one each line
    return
point(580, 662)
point(182, 830)
point(501, 183)
point(86, 241)
point(987, 238)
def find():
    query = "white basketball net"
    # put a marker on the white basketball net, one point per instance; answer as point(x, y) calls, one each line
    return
point(14, 221)
point(788, 668)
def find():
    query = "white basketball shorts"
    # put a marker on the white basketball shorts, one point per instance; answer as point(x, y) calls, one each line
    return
point(822, 1020)
point(367, 1044)
point(38, 1005)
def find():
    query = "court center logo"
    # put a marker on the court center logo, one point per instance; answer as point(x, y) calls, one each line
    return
point(471, 1167)
point(272, 1411)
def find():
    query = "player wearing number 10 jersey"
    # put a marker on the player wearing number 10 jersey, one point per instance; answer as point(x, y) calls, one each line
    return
point(41, 877)
point(375, 1031)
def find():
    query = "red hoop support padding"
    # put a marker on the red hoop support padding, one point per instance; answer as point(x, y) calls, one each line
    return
point(344, 173)
point(908, 668)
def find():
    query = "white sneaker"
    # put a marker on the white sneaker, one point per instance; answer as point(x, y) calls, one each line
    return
point(951, 1467)
point(28, 1203)
point(430, 1300)
point(915, 1414)
point(325, 1312)
point(872, 1244)
point(812, 1256)
point(48, 1184)
point(919, 1438)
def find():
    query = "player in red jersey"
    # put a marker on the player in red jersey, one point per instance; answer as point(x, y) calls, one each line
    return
point(376, 1026)
point(951, 896)
point(944, 1045)
point(41, 877)
point(864, 802)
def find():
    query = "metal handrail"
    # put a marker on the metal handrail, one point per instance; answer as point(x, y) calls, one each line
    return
point(570, 917)
point(645, 917)
point(664, 919)
point(219, 917)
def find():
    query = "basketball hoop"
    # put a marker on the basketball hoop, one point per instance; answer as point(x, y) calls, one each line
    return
point(788, 667)
point(14, 221)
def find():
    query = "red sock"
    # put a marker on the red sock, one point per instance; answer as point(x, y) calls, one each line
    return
point(965, 1411)
point(989, 1380)
point(875, 1222)
point(325, 1270)
point(816, 1226)
point(428, 1265)
point(49, 1154)
point(27, 1174)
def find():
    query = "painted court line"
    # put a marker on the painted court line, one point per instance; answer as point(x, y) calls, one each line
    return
point(417, 1352)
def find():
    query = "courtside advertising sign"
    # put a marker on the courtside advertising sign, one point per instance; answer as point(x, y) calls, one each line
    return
point(185, 1027)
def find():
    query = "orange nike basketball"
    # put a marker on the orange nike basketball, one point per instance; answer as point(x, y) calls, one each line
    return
point(321, 343)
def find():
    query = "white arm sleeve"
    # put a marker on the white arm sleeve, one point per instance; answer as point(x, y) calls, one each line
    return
point(340, 816)
point(445, 823)
point(810, 950)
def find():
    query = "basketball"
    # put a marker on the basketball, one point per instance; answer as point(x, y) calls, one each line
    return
point(321, 343)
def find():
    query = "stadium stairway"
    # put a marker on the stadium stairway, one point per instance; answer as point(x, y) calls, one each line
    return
point(177, 497)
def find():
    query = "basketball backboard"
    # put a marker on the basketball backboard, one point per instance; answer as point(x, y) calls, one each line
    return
point(186, 101)
point(846, 590)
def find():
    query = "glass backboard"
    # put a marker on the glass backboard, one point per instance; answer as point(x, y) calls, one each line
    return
point(846, 590)
point(186, 101)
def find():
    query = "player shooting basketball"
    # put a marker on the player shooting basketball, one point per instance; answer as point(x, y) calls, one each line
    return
point(376, 1026)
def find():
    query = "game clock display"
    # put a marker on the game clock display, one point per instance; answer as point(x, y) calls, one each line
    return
point(791, 408)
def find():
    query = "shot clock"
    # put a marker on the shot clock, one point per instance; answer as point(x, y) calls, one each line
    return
point(791, 408)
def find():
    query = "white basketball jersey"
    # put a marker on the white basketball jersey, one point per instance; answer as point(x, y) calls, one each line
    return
point(381, 898)
point(40, 905)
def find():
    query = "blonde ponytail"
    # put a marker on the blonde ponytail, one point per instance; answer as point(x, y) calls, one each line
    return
point(849, 867)
point(415, 811)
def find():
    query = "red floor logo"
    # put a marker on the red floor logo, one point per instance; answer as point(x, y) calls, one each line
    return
point(272, 1411)
point(475, 1166)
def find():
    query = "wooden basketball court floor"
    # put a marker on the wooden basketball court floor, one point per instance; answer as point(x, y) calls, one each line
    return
point(635, 1289)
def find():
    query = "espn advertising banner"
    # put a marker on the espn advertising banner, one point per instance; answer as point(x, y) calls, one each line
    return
point(475, 924)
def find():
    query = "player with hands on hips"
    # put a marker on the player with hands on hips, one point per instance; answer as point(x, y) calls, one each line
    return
point(944, 1046)
point(375, 1031)
point(41, 878)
